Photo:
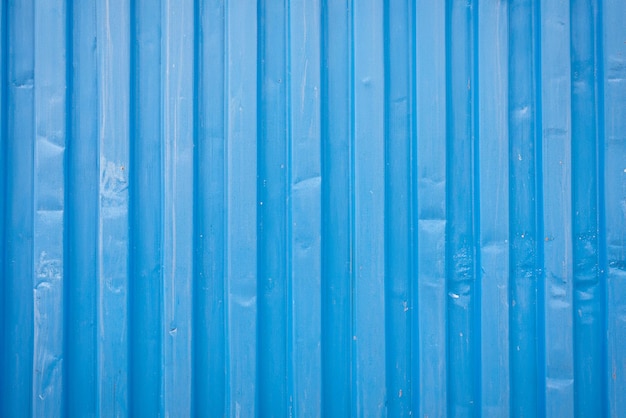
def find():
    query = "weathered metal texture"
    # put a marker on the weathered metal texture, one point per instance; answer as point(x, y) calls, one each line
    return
point(313, 208)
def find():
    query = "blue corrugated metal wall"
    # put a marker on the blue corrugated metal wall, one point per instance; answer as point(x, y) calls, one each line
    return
point(313, 208)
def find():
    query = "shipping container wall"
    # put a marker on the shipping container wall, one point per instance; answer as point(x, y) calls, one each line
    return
point(313, 208)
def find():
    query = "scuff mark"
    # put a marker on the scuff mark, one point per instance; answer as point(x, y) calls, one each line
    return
point(48, 268)
point(113, 188)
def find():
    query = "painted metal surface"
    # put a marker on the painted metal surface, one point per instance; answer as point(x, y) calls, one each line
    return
point(313, 208)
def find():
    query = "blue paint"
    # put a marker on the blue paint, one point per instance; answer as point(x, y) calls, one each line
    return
point(305, 218)
point(312, 208)
point(589, 296)
point(273, 197)
point(461, 260)
point(241, 206)
point(399, 239)
point(368, 244)
point(337, 213)
point(81, 220)
point(18, 274)
point(209, 350)
point(429, 328)
point(557, 192)
point(524, 232)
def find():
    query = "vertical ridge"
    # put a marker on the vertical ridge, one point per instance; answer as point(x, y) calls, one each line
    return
point(18, 318)
point(368, 171)
point(430, 211)
point(177, 105)
point(612, 128)
point(49, 153)
point(492, 231)
point(112, 46)
point(242, 207)
point(523, 200)
point(305, 198)
point(555, 170)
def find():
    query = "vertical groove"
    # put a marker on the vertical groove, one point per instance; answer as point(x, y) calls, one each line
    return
point(602, 231)
point(146, 211)
point(588, 297)
point(197, 369)
point(272, 198)
point(478, 267)
point(226, 215)
point(413, 366)
point(326, 343)
point(523, 205)
point(288, 233)
point(81, 214)
point(350, 82)
point(132, 185)
point(398, 201)
point(460, 245)
point(336, 214)
point(4, 381)
point(208, 330)
point(262, 368)
point(68, 303)
point(196, 365)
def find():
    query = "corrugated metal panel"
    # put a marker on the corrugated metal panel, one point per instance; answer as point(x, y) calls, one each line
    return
point(313, 208)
